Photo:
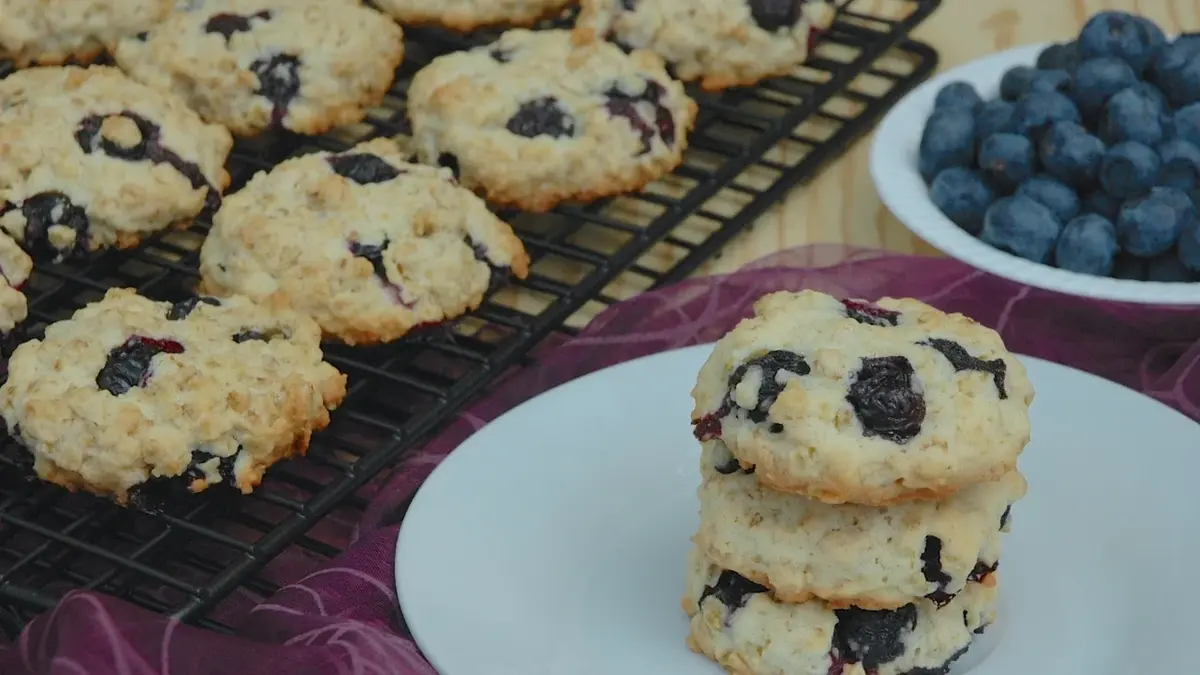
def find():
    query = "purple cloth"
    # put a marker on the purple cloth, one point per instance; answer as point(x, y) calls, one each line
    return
point(342, 618)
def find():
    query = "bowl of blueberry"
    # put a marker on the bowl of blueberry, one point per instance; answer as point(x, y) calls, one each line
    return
point(1073, 167)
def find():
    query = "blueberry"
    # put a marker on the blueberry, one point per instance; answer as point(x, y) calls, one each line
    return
point(1150, 225)
point(1132, 39)
point(732, 590)
point(772, 15)
point(373, 253)
point(541, 117)
point(1176, 71)
point(1101, 203)
point(1015, 82)
point(1055, 195)
point(185, 307)
point(773, 367)
point(46, 210)
point(1052, 81)
point(1168, 268)
point(961, 359)
point(873, 637)
point(1087, 245)
point(1180, 165)
point(1097, 80)
point(622, 104)
point(1022, 227)
point(1060, 57)
point(994, 117)
point(1129, 170)
point(1185, 124)
point(934, 573)
point(1038, 110)
point(128, 365)
point(1130, 116)
point(228, 24)
point(1189, 248)
point(963, 196)
point(869, 314)
point(1072, 155)
point(278, 82)
point(948, 140)
point(1007, 160)
point(362, 168)
point(1129, 267)
point(1155, 96)
point(958, 95)
point(885, 399)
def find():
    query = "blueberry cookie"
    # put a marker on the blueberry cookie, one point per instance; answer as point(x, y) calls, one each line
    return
point(130, 394)
point(721, 43)
point(52, 32)
point(92, 159)
point(251, 65)
point(532, 120)
point(467, 15)
point(846, 401)
point(850, 555)
point(15, 268)
point(367, 244)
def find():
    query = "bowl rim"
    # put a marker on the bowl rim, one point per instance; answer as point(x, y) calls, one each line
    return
point(893, 166)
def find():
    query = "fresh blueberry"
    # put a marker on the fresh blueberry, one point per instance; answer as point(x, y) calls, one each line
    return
point(1087, 245)
point(963, 196)
point(1185, 124)
point(1097, 80)
point(1060, 57)
point(1051, 80)
point(1176, 71)
point(1155, 96)
point(1131, 116)
point(948, 140)
point(1071, 154)
point(1129, 170)
point(1189, 248)
point(1055, 195)
point(1168, 268)
point(885, 399)
point(994, 117)
point(1180, 165)
point(1022, 227)
point(1129, 267)
point(1038, 110)
point(1007, 160)
point(958, 95)
point(1101, 203)
point(1015, 82)
point(1150, 225)
point(1132, 39)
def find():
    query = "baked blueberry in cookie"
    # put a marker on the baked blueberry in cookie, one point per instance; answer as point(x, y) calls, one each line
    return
point(54, 32)
point(897, 400)
point(721, 44)
point(130, 395)
point(144, 161)
point(256, 65)
point(469, 15)
point(561, 122)
point(367, 244)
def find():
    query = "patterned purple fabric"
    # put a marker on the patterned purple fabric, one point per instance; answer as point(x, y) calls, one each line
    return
point(343, 618)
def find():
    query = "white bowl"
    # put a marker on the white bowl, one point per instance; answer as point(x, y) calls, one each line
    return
point(894, 170)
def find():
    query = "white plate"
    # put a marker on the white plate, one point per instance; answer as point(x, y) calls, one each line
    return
point(552, 542)
point(894, 170)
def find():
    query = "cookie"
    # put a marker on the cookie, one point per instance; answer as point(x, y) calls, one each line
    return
point(15, 268)
point(365, 243)
point(846, 401)
point(721, 43)
point(468, 15)
point(52, 32)
point(130, 394)
point(533, 120)
point(90, 159)
point(304, 65)
point(741, 626)
point(850, 555)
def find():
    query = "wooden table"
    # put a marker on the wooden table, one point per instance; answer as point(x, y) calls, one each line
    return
point(841, 204)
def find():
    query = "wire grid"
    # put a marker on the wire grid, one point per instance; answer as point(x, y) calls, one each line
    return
point(750, 146)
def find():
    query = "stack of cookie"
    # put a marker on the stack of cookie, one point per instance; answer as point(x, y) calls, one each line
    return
point(859, 465)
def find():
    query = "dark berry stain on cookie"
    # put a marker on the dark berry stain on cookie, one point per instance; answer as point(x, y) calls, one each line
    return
point(621, 104)
point(872, 315)
point(128, 365)
point(731, 590)
point(449, 161)
point(228, 24)
point(134, 138)
point(500, 55)
point(541, 117)
point(885, 400)
point(160, 491)
point(982, 571)
point(254, 335)
point(497, 274)
point(775, 366)
point(731, 466)
point(185, 307)
point(363, 168)
point(771, 15)
point(872, 637)
point(47, 210)
point(373, 253)
point(958, 357)
point(278, 82)
point(931, 567)
point(1005, 516)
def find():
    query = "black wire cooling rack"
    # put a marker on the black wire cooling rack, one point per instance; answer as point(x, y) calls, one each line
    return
point(749, 148)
